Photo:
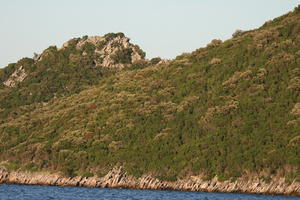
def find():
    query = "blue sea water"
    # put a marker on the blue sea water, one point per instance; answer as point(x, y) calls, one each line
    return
point(27, 192)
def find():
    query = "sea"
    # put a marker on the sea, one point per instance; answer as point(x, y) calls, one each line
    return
point(31, 192)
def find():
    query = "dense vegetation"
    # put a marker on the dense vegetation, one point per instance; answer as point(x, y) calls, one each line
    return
point(230, 109)
point(60, 72)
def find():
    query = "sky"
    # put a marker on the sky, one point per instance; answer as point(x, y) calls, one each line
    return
point(164, 28)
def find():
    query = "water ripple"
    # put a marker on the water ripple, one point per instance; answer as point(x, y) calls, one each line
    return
point(27, 192)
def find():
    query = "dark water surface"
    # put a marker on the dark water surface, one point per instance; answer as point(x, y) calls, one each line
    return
point(27, 192)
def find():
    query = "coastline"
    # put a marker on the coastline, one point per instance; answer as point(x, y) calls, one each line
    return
point(117, 178)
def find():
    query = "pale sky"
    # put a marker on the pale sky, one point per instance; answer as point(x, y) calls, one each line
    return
point(164, 28)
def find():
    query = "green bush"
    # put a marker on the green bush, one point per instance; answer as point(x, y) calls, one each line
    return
point(88, 174)
point(69, 172)
point(122, 56)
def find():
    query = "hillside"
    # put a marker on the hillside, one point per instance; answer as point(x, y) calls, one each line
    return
point(231, 109)
point(58, 72)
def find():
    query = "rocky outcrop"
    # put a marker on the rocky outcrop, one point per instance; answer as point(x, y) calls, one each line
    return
point(118, 44)
point(111, 50)
point(17, 76)
point(118, 178)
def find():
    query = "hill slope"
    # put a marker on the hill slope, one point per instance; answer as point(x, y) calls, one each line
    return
point(79, 63)
point(230, 110)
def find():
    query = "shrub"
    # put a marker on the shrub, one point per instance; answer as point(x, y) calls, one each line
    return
point(70, 172)
point(88, 174)
point(296, 109)
point(214, 43)
point(237, 33)
point(122, 56)
point(155, 61)
point(111, 36)
point(294, 84)
point(297, 9)
point(139, 51)
point(237, 76)
point(215, 61)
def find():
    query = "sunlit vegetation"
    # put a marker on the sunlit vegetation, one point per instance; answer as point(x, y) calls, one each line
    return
point(229, 109)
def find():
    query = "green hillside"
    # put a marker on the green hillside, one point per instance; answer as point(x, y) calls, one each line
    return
point(58, 72)
point(229, 109)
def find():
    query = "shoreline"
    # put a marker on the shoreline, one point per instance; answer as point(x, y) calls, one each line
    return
point(117, 178)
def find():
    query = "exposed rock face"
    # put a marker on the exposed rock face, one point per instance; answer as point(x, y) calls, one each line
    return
point(92, 39)
point(112, 50)
point(112, 47)
point(18, 76)
point(117, 178)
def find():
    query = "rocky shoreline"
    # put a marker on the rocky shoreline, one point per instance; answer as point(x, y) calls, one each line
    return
point(117, 178)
